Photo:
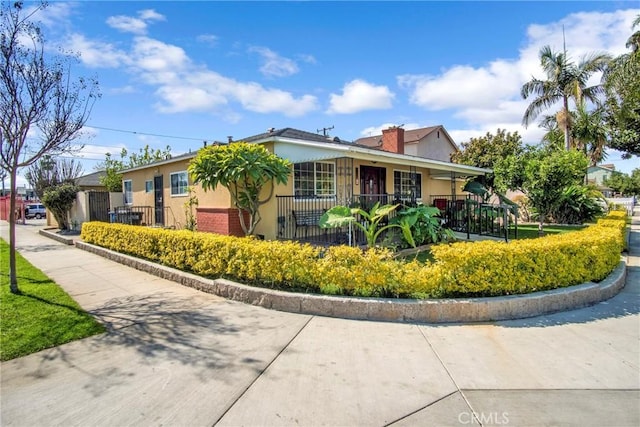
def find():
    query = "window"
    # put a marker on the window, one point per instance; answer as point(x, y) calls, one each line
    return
point(128, 192)
point(179, 184)
point(404, 185)
point(314, 179)
point(148, 186)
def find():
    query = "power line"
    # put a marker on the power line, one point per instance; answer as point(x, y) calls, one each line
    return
point(147, 134)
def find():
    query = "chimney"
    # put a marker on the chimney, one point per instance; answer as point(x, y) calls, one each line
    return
point(393, 140)
point(230, 139)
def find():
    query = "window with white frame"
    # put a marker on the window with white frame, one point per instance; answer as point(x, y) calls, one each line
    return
point(407, 185)
point(127, 186)
point(179, 184)
point(148, 186)
point(314, 179)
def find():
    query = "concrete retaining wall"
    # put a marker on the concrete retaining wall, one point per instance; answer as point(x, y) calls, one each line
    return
point(383, 309)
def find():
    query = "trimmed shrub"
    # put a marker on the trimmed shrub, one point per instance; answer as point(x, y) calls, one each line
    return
point(462, 269)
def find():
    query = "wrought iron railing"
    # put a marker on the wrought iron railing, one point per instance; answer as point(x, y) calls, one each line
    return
point(142, 215)
point(468, 214)
point(132, 215)
point(298, 218)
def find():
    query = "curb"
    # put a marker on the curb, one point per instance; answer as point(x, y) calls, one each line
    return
point(387, 309)
point(55, 236)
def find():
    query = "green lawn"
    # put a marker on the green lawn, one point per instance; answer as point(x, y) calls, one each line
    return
point(43, 316)
point(530, 231)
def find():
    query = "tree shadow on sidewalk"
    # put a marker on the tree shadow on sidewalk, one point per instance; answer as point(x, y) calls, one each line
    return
point(205, 335)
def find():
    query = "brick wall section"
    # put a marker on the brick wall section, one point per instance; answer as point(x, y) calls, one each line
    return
point(220, 220)
point(393, 140)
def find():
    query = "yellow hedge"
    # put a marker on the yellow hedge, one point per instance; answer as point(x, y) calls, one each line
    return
point(460, 269)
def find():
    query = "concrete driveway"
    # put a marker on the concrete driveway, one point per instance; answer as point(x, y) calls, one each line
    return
point(174, 356)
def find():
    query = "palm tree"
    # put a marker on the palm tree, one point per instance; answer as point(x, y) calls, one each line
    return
point(590, 132)
point(565, 80)
point(622, 83)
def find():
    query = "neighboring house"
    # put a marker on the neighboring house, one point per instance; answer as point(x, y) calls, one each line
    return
point(325, 172)
point(432, 142)
point(91, 181)
point(597, 175)
point(93, 202)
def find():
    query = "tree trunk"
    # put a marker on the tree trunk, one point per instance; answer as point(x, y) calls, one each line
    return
point(567, 136)
point(13, 276)
point(540, 229)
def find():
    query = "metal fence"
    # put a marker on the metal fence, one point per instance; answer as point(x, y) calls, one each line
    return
point(142, 215)
point(298, 218)
point(470, 215)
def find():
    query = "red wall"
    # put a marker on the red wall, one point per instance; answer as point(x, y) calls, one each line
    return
point(5, 203)
point(220, 220)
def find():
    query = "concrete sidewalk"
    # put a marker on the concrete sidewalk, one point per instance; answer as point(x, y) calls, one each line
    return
point(175, 356)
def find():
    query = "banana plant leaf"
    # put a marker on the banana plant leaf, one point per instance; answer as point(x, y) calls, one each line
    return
point(337, 216)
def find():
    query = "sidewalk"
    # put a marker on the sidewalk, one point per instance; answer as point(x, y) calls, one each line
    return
point(176, 357)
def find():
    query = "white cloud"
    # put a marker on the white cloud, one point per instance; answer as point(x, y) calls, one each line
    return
point(54, 14)
point(122, 90)
point(488, 97)
point(359, 95)
point(154, 56)
point(309, 59)
point(97, 54)
point(129, 24)
point(209, 39)
point(274, 65)
point(184, 86)
point(463, 85)
point(151, 15)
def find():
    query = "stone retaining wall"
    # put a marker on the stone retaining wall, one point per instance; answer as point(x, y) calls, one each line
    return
point(383, 309)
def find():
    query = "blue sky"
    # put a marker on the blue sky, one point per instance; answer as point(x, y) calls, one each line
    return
point(207, 70)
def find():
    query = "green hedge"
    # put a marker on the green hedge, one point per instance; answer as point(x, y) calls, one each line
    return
point(487, 268)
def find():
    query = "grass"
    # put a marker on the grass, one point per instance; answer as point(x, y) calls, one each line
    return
point(42, 316)
point(530, 231)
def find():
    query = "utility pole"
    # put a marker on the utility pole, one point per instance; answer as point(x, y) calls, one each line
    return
point(324, 130)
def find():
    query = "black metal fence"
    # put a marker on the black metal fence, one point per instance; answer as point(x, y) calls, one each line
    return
point(470, 215)
point(132, 215)
point(142, 215)
point(298, 218)
point(99, 206)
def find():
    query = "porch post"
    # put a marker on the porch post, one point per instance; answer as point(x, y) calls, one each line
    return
point(453, 186)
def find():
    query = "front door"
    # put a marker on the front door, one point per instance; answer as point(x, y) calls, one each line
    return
point(158, 192)
point(372, 184)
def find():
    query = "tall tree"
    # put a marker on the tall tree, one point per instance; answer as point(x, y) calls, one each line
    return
point(622, 83)
point(564, 81)
point(542, 175)
point(627, 185)
point(487, 150)
point(590, 132)
point(243, 169)
point(37, 96)
point(47, 173)
point(113, 167)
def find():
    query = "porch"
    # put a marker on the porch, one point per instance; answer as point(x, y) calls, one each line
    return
point(298, 217)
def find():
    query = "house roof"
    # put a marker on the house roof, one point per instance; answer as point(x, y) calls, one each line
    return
point(299, 149)
point(293, 134)
point(299, 146)
point(607, 168)
point(412, 136)
point(91, 179)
